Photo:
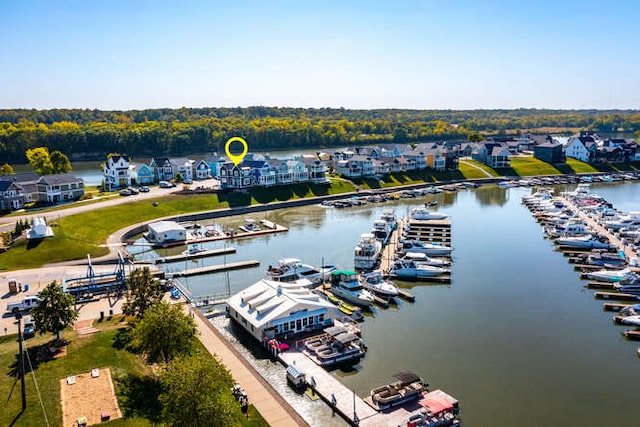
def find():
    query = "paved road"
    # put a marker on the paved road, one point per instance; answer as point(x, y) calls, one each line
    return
point(8, 223)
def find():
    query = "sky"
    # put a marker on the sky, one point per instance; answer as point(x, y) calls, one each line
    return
point(422, 54)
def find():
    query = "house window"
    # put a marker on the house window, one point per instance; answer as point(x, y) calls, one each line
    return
point(304, 321)
point(321, 318)
point(292, 325)
point(244, 321)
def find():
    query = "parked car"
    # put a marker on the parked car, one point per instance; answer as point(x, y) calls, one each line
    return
point(133, 190)
point(166, 184)
point(125, 192)
point(29, 328)
point(144, 189)
point(187, 181)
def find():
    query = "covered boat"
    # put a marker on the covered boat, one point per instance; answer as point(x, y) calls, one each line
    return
point(408, 387)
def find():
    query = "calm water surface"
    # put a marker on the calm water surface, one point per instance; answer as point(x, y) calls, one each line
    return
point(516, 336)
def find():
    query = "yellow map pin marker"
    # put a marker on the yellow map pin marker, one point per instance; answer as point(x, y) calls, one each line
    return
point(233, 157)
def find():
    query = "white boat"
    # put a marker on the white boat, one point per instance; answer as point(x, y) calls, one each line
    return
point(421, 258)
point(382, 230)
point(345, 285)
point(411, 270)
point(250, 225)
point(612, 275)
point(423, 247)
point(587, 241)
point(421, 214)
point(193, 249)
point(390, 217)
point(292, 269)
point(570, 228)
point(367, 252)
point(336, 347)
point(375, 283)
point(631, 320)
point(606, 259)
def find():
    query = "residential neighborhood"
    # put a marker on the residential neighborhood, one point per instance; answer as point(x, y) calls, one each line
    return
point(361, 162)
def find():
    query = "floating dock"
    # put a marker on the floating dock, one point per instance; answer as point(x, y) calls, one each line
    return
point(632, 334)
point(195, 255)
point(616, 296)
point(600, 285)
point(217, 268)
point(612, 306)
point(344, 401)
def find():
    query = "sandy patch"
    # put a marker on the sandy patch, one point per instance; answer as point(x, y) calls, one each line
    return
point(89, 397)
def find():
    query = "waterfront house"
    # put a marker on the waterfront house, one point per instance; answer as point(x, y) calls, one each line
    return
point(263, 173)
point(394, 164)
point(629, 148)
point(117, 172)
point(436, 158)
point(298, 170)
point(234, 177)
point(269, 309)
point(284, 175)
point(163, 169)
point(202, 170)
point(27, 182)
point(356, 167)
point(184, 167)
point(549, 152)
point(381, 167)
point(11, 196)
point(317, 170)
point(142, 174)
point(407, 164)
point(368, 151)
point(60, 187)
point(163, 233)
point(393, 150)
point(418, 157)
point(576, 148)
point(609, 154)
point(492, 154)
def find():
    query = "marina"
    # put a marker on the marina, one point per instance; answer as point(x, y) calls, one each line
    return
point(490, 290)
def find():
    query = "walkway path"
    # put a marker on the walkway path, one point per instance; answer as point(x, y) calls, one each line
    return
point(477, 167)
point(273, 408)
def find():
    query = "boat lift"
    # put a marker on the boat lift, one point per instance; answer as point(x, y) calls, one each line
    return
point(85, 287)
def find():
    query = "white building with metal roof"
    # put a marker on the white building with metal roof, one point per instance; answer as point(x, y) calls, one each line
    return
point(269, 309)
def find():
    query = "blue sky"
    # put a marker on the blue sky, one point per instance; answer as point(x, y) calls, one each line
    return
point(428, 54)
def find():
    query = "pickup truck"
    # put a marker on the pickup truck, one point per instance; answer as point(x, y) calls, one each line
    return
point(26, 304)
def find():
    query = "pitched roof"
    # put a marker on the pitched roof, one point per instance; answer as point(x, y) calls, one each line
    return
point(60, 178)
point(21, 177)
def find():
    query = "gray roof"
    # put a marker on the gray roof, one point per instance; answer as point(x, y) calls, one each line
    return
point(21, 177)
point(60, 178)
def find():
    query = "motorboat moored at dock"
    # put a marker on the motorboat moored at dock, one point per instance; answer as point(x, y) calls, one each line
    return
point(345, 285)
point(408, 387)
point(375, 283)
point(367, 252)
point(292, 269)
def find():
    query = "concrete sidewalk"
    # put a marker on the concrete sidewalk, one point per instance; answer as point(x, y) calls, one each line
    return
point(273, 408)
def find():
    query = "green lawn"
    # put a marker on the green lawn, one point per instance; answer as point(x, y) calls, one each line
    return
point(80, 234)
point(470, 172)
point(136, 392)
point(528, 166)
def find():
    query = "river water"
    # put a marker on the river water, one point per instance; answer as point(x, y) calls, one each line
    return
point(515, 336)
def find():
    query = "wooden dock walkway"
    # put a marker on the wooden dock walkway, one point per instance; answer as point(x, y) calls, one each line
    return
point(346, 403)
point(217, 268)
point(239, 234)
point(594, 225)
point(195, 255)
point(616, 296)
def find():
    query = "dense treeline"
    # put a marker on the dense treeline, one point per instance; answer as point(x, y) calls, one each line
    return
point(92, 134)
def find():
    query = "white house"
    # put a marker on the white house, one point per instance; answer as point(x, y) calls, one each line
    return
point(269, 309)
point(117, 172)
point(184, 167)
point(298, 170)
point(317, 170)
point(576, 149)
point(163, 233)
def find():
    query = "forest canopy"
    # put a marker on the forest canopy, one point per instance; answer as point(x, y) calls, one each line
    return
point(92, 134)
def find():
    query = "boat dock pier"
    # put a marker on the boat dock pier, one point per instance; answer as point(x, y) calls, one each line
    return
point(432, 231)
point(217, 268)
point(271, 228)
point(195, 255)
point(594, 225)
point(612, 306)
point(616, 296)
point(344, 401)
point(601, 285)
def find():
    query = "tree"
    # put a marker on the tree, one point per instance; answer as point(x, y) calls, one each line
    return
point(55, 310)
point(40, 161)
point(60, 162)
point(164, 332)
point(6, 169)
point(195, 391)
point(142, 292)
